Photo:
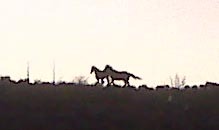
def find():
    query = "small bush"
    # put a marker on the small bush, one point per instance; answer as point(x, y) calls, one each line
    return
point(80, 80)
point(177, 83)
point(37, 81)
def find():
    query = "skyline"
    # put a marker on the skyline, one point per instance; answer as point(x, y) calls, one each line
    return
point(54, 80)
point(151, 39)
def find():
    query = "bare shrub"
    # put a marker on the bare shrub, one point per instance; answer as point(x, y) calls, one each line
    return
point(37, 81)
point(81, 80)
point(177, 82)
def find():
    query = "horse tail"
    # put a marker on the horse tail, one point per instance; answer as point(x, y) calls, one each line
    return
point(135, 77)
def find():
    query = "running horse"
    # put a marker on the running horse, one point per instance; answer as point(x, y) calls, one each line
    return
point(119, 75)
point(100, 75)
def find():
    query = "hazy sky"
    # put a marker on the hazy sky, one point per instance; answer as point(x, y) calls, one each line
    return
point(153, 39)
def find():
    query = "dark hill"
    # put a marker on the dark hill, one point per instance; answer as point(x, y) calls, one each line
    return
point(74, 107)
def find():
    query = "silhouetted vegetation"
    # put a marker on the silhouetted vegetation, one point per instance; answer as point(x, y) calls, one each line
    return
point(145, 87)
point(177, 82)
point(81, 80)
point(166, 87)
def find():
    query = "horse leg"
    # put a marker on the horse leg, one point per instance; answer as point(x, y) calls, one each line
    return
point(128, 82)
point(112, 82)
point(124, 84)
point(102, 82)
point(96, 82)
point(108, 82)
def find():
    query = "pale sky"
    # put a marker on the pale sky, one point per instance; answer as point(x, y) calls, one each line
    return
point(153, 39)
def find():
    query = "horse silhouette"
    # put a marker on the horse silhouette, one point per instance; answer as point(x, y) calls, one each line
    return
point(100, 75)
point(119, 75)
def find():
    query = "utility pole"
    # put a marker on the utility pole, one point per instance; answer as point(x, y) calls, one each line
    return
point(54, 73)
point(28, 72)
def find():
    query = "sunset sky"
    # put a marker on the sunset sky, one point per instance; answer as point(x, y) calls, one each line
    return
point(153, 39)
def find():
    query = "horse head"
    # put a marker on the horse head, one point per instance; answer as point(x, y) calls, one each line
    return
point(108, 67)
point(92, 69)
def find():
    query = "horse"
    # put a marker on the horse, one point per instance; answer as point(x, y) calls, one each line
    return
point(119, 75)
point(100, 75)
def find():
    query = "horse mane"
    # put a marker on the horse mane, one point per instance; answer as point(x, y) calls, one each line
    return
point(111, 68)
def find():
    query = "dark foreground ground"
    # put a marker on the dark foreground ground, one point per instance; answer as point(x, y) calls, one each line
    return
point(84, 107)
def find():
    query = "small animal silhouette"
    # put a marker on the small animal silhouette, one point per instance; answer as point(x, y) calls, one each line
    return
point(119, 75)
point(100, 75)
